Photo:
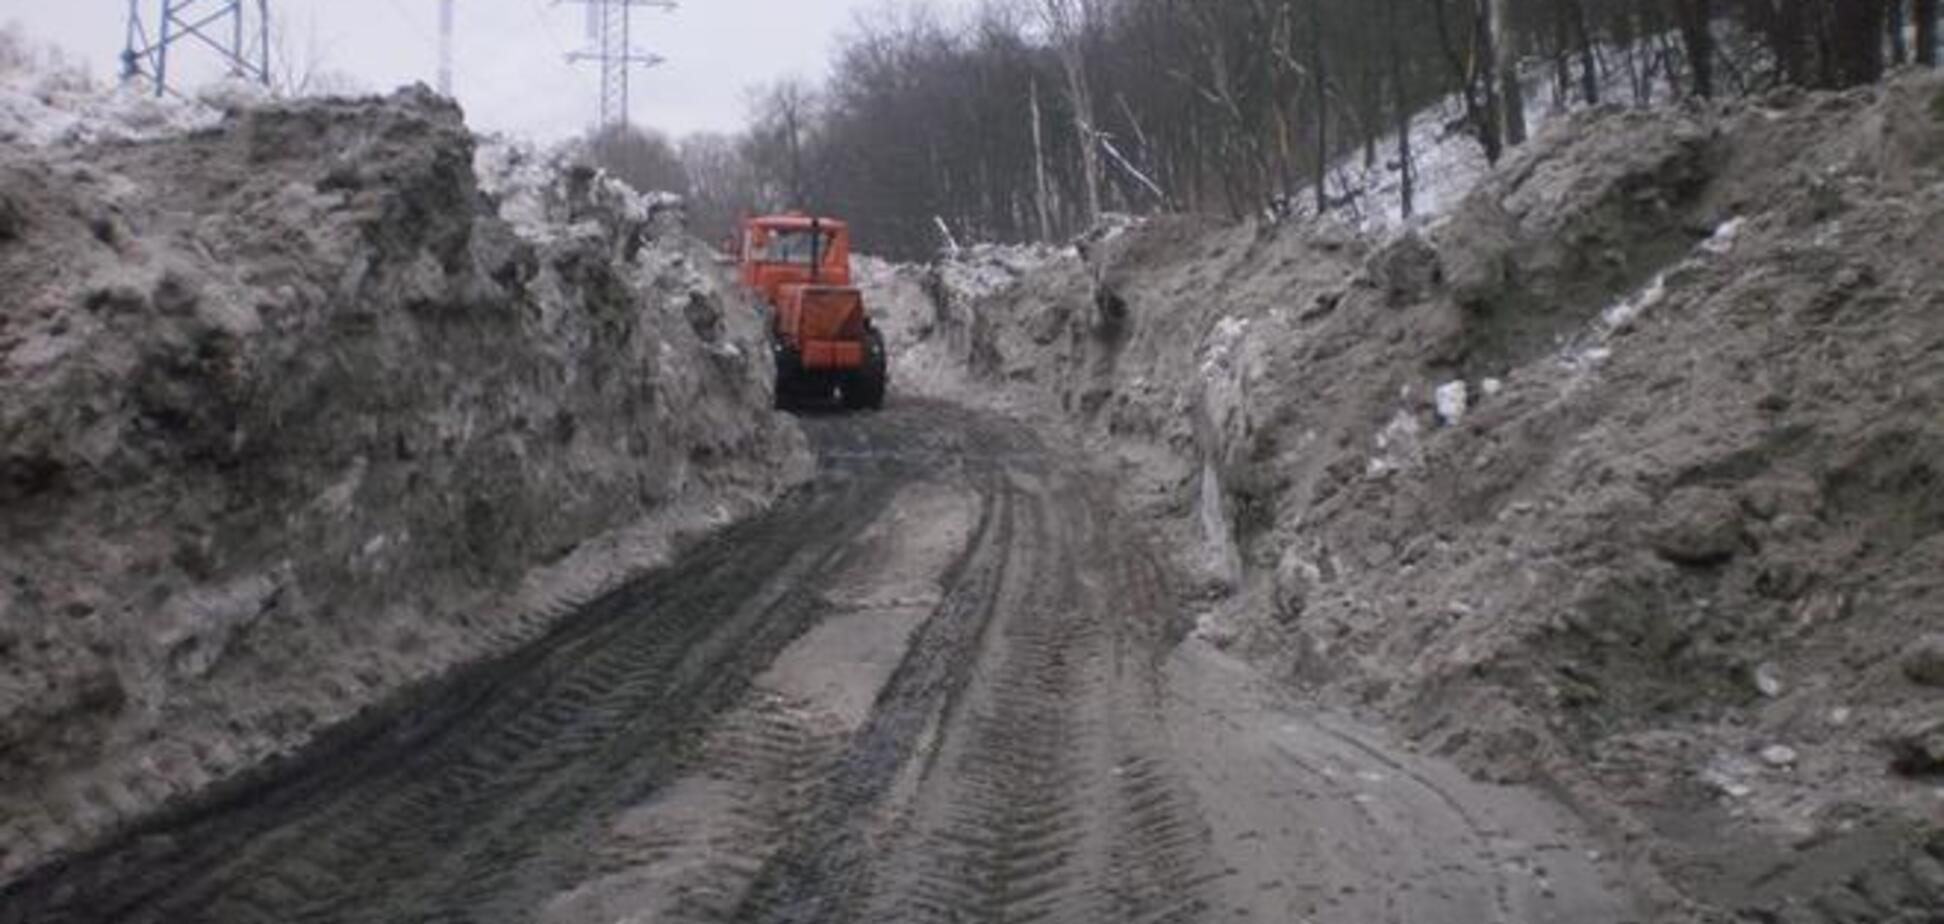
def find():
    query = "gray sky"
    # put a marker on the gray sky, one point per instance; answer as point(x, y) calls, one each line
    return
point(511, 69)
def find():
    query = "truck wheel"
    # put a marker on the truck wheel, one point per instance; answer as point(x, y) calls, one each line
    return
point(788, 371)
point(865, 390)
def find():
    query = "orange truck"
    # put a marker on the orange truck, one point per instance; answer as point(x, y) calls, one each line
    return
point(825, 344)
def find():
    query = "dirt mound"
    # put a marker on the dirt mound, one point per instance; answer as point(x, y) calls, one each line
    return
point(287, 411)
point(1622, 476)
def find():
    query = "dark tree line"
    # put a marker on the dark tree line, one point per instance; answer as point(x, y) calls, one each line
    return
point(1029, 118)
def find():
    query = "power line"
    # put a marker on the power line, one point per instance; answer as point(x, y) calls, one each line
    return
point(216, 25)
point(611, 27)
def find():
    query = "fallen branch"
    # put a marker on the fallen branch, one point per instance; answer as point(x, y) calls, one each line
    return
point(1114, 152)
point(945, 231)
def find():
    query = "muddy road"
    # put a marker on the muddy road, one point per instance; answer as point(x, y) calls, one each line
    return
point(946, 683)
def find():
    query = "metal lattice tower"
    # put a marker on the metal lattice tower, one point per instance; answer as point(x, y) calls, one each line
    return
point(218, 25)
point(610, 31)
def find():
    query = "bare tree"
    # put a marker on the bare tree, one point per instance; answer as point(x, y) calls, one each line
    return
point(1504, 45)
point(1042, 199)
point(1696, 21)
point(781, 119)
point(1897, 28)
point(1925, 12)
point(1856, 32)
point(1401, 105)
point(1208, 105)
point(722, 186)
point(303, 67)
point(1067, 23)
point(641, 158)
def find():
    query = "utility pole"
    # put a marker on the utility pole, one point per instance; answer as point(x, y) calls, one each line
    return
point(610, 27)
point(445, 48)
point(217, 25)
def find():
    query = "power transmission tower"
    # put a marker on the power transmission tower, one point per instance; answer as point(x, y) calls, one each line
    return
point(445, 48)
point(219, 25)
point(610, 27)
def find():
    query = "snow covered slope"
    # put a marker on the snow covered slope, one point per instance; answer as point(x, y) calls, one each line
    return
point(1619, 475)
point(293, 415)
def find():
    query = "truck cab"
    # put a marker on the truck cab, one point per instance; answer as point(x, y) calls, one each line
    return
point(794, 250)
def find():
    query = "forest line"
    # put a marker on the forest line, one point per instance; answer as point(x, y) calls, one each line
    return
point(1026, 119)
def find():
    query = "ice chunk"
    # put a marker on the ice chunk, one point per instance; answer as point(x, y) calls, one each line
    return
point(1454, 399)
point(1723, 239)
point(1398, 447)
point(1626, 310)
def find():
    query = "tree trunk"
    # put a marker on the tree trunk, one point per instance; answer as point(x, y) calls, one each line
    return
point(1466, 67)
point(1899, 42)
point(1401, 98)
point(1083, 130)
point(1926, 13)
point(1041, 202)
point(1321, 77)
point(1857, 43)
point(1069, 24)
point(1589, 61)
point(1696, 21)
point(1505, 52)
point(1370, 137)
point(1562, 58)
point(790, 117)
point(1484, 82)
point(1788, 34)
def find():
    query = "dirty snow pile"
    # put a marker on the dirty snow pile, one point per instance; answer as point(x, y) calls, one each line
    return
point(45, 99)
point(983, 270)
point(1622, 477)
point(546, 193)
point(926, 311)
point(292, 418)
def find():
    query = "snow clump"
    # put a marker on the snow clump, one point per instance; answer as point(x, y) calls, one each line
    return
point(556, 193)
point(47, 100)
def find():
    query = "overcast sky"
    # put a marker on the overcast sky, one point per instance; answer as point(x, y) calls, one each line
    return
point(512, 73)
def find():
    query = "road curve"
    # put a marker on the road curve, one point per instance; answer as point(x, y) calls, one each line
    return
point(946, 683)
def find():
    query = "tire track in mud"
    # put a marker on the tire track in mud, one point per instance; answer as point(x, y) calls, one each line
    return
point(1010, 772)
point(468, 805)
point(1039, 748)
point(1328, 821)
point(1001, 833)
point(824, 869)
point(772, 767)
point(1161, 866)
point(758, 775)
point(1471, 834)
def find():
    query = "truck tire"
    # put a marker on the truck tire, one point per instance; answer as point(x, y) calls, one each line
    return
point(789, 373)
point(865, 389)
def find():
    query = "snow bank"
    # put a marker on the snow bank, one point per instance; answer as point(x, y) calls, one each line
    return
point(985, 270)
point(46, 99)
point(1447, 160)
point(515, 428)
point(546, 194)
